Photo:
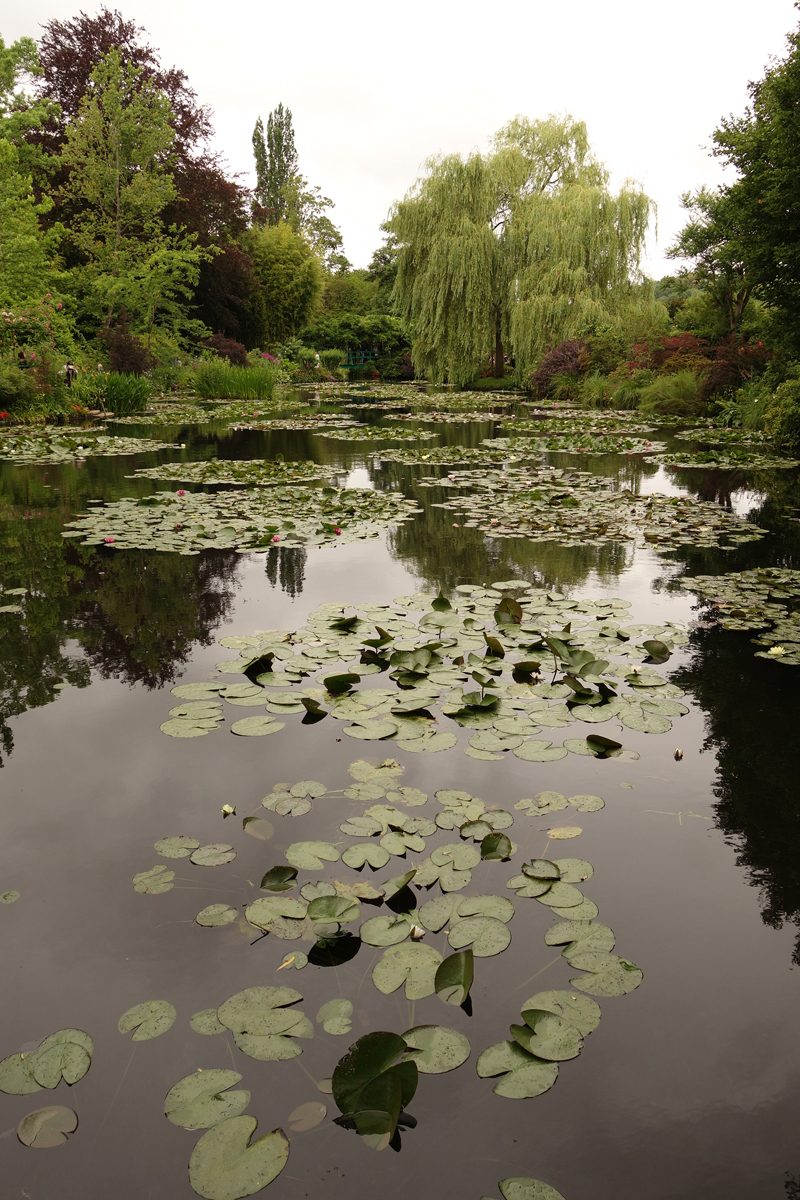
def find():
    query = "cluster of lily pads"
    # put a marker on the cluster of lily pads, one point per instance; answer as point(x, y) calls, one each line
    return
point(766, 599)
point(65, 1054)
point(451, 455)
point(575, 508)
point(479, 659)
point(181, 412)
point(458, 417)
point(316, 422)
point(581, 441)
point(62, 446)
point(729, 458)
point(375, 433)
point(187, 522)
point(253, 472)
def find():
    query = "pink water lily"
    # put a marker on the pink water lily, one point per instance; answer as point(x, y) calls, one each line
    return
point(337, 531)
point(276, 538)
point(109, 539)
point(181, 492)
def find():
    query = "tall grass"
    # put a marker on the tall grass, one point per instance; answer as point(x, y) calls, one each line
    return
point(678, 395)
point(220, 381)
point(126, 394)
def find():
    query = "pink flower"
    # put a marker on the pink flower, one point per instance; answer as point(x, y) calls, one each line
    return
point(181, 492)
point(110, 539)
point(276, 538)
point(337, 531)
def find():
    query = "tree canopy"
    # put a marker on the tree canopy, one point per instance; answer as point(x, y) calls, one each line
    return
point(523, 246)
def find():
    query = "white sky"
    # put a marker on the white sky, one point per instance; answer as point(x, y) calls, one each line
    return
point(374, 89)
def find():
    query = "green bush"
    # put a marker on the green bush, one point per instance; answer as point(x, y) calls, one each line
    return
point(17, 387)
point(331, 359)
point(595, 391)
point(217, 380)
point(674, 395)
point(782, 416)
point(126, 394)
point(628, 394)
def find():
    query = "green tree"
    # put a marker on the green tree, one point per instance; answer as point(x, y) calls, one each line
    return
point(21, 116)
point(25, 251)
point(289, 277)
point(119, 153)
point(276, 163)
point(709, 242)
point(523, 246)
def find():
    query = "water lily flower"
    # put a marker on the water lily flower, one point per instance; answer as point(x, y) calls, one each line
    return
point(456, 525)
point(276, 538)
point(337, 531)
point(777, 651)
point(228, 810)
point(181, 492)
point(109, 539)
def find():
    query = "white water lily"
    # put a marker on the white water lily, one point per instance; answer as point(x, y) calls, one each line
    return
point(777, 651)
point(228, 810)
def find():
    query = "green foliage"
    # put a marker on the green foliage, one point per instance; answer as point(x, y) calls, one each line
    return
point(276, 163)
point(679, 394)
point(350, 292)
point(356, 332)
point(218, 380)
point(17, 387)
point(126, 394)
point(709, 241)
point(782, 416)
point(526, 243)
point(331, 359)
point(24, 248)
point(118, 153)
point(20, 114)
point(289, 276)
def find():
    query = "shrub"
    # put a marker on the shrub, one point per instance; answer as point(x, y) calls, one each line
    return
point(331, 359)
point(679, 394)
point(567, 358)
point(126, 393)
point(218, 380)
point(17, 387)
point(127, 354)
point(628, 393)
point(226, 347)
point(782, 416)
point(595, 391)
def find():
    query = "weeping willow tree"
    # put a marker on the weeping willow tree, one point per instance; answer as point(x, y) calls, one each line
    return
point(521, 247)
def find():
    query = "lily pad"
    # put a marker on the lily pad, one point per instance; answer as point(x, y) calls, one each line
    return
point(16, 1075)
point(616, 978)
point(47, 1127)
point(206, 1022)
point(499, 907)
point(255, 727)
point(528, 1189)
point(226, 1165)
point(216, 914)
point(67, 1060)
point(335, 1016)
point(539, 751)
point(414, 965)
point(334, 908)
point(202, 1099)
point(213, 855)
point(385, 930)
point(309, 856)
point(306, 1116)
point(547, 1036)
point(155, 881)
point(279, 879)
point(9, 897)
point(580, 1011)
point(522, 1075)
point(149, 1020)
point(487, 935)
point(439, 1049)
point(357, 856)
point(176, 847)
point(454, 977)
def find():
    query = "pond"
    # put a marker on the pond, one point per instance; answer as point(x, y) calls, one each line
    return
point(408, 661)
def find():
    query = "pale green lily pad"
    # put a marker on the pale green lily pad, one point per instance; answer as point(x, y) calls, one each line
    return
point(580, 935)
point(308, 787)
point(579, 1010)
point(177, 727)
point(255, 727)
point(361, 827)
point(206, 1022)
point(357, 856)
point(547, 1036)
point(439, 1049)
point(306, 1116)
point(308, 856)
point(413, 797)
point(287, 805)
point(216, 854)
point(155, 881)
point(414, 965)
point(644, 722)
point(149, 1019)
point(9, 897)
point(335, 1017)
point(334, 908)
point(574, 870)
point(66, 1060)
point(216, 914)
point(486, 935)
point(435, 913)
point(176, 847)
point(268, 911)
point(16, 1075)
point(456, 855)
point(385, 930)
point(499, 907)
point(295, 959)
point(202, 1099)
point(451, 880)
point(226, 1165)
point(260, 1010)
point(587, 803)
point(47, 1127)
point(539, 751)
point(617, 978)
point(561, 895)
point(523, 1075)
point(528, 1189)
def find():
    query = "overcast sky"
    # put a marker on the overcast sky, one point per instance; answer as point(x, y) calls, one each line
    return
point(376, 88)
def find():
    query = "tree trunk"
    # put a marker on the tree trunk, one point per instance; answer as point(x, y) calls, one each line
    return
point(499, 369)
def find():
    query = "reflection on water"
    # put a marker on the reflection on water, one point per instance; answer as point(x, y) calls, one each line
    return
point(691, 1085)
